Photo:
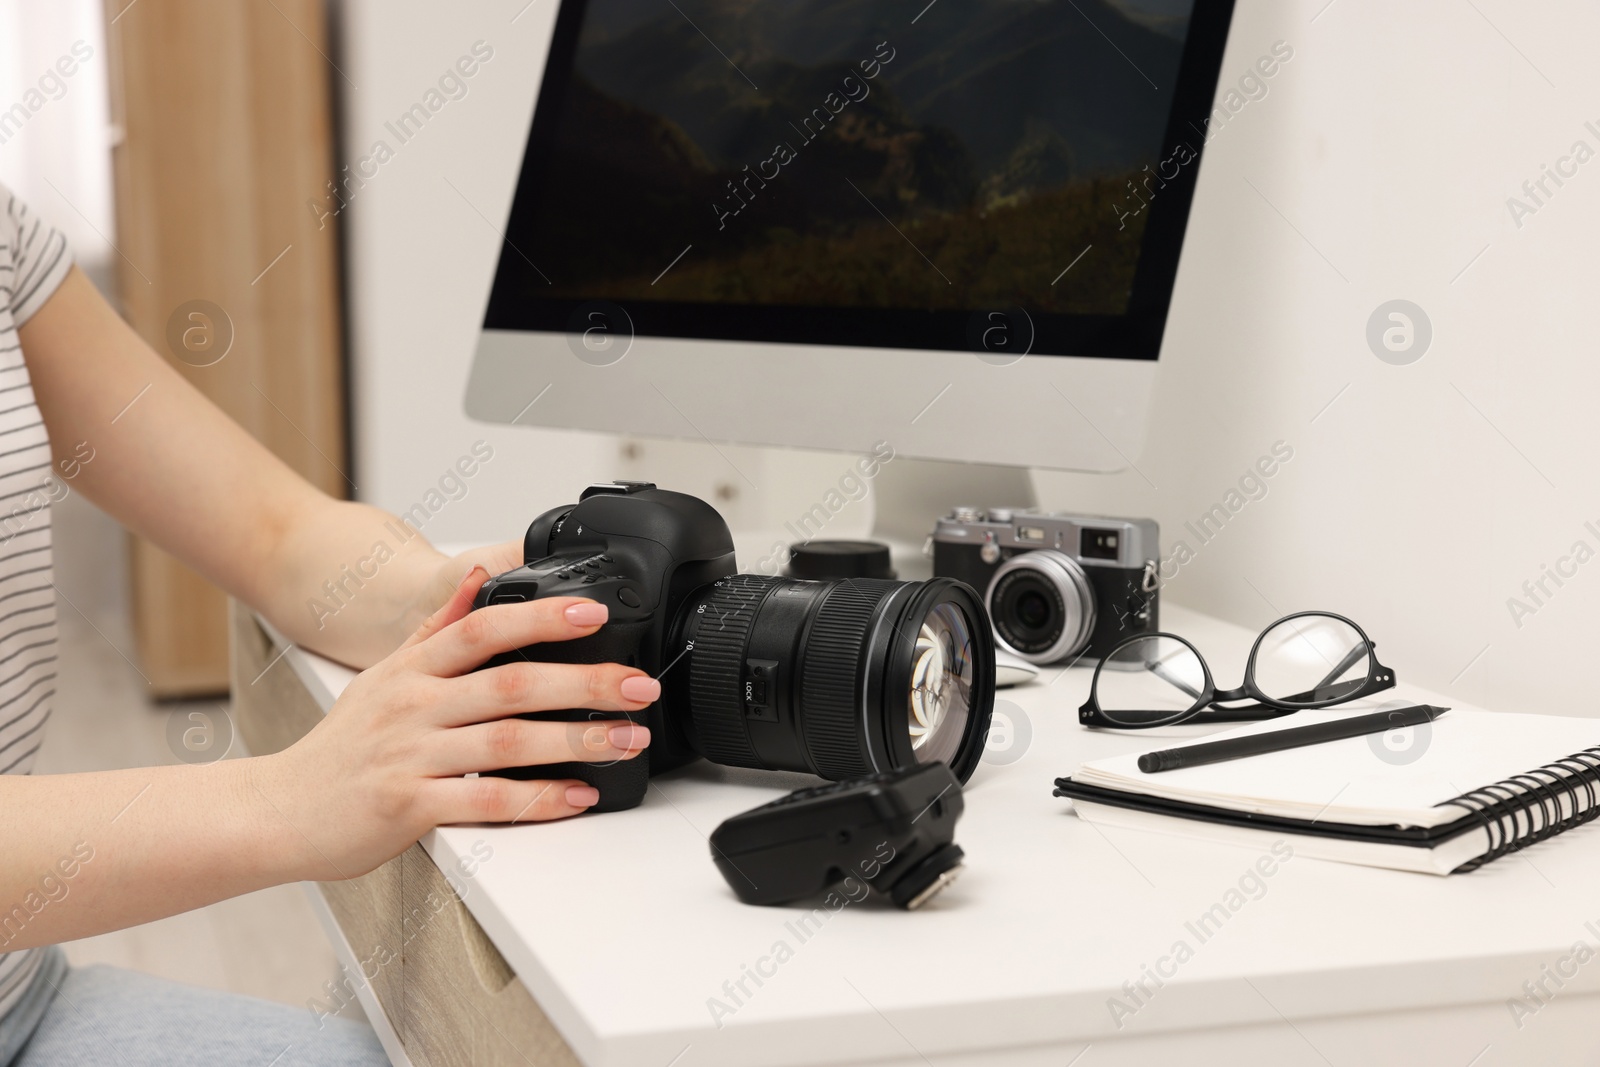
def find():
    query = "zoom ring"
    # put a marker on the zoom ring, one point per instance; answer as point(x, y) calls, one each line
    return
point(830, 678)
point(716, 675)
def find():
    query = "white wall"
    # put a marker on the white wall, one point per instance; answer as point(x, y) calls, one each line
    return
point(58, 159)
point(1426, 494)
point(1376, 167)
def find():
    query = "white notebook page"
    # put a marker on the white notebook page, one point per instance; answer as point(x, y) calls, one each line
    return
point(1347, 781)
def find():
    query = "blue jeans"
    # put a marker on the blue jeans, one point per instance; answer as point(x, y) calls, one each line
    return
point(78, 1017)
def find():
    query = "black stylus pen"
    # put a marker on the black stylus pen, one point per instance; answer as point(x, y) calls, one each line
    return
point(1170, 759)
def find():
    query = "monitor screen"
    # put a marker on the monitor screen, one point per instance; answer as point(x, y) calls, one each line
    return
point(863, 173)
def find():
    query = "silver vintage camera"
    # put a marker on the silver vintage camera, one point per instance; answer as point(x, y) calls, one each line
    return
point(1058, 587)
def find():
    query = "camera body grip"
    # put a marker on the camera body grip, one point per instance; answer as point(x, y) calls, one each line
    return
point(622, 783)
point(639, 551)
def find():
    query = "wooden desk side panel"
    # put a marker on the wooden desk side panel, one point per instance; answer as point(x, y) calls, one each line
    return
point(271, 711)
point(463, 1005)
point(449, 993)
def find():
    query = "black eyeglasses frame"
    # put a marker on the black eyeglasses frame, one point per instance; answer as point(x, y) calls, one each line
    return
point(1207, 699)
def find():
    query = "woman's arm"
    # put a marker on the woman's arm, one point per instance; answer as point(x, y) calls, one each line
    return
point(87, 853)
point(170, 465)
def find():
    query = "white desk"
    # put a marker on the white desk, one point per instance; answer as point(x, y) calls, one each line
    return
point(622, 929)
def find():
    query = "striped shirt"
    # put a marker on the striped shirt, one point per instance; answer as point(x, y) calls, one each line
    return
point(33, 261)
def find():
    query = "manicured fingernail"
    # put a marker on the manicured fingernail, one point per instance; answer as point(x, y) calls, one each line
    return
point(628, 736)
point(586, 613)
point(471, 571)
point(582, 796)
point(641, 689)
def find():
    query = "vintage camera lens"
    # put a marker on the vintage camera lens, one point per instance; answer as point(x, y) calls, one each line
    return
point(1042, 606)
point(836, 678)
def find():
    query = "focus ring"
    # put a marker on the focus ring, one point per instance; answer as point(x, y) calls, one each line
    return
point(716, 674)
point(830, 678)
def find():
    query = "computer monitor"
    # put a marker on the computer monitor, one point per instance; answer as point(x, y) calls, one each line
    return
point(953, 228)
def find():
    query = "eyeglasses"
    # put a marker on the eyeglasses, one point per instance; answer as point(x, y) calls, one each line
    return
point(1312, 659)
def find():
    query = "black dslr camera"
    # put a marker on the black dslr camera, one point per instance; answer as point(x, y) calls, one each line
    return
point(836, 678)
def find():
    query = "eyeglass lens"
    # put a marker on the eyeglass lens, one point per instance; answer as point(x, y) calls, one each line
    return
point(1149, 680)
point(1311, 659)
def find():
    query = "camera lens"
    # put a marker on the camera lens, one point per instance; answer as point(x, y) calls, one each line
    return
point(1042, 606)
point(1033, 609)
point(836, 678)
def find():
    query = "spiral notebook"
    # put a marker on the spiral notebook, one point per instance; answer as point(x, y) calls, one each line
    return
point(1469, 788)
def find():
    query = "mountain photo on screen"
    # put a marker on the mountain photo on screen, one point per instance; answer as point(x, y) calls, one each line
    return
point(832, 153)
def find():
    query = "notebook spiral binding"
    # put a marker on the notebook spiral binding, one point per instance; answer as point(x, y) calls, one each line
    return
point(1528, 808)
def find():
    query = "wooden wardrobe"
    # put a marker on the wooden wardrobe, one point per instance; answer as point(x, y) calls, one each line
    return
point(225, 110)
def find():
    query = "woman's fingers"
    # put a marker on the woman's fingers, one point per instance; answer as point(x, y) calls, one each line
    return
point(492, 746)
point(472, 638)
point(478, 708)
point(528, 685)
point(491, 799)
point(455, 607)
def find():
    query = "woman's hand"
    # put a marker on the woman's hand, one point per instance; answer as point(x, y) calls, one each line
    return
point(439, 577)
point(387, 763)
point(496, 559)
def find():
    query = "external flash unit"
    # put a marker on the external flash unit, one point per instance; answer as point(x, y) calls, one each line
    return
point(892, 832)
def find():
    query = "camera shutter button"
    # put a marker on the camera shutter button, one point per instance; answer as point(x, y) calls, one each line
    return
point(628, 598)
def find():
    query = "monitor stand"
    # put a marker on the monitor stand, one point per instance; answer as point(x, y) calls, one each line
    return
point(910, 495)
